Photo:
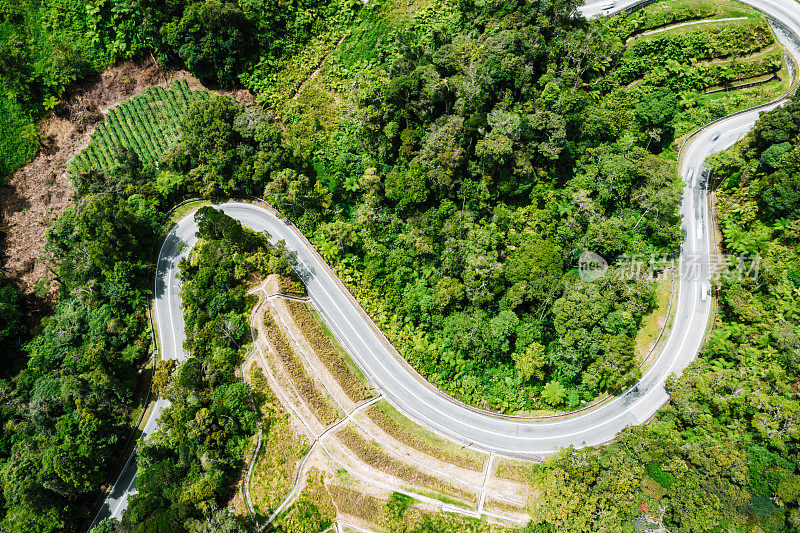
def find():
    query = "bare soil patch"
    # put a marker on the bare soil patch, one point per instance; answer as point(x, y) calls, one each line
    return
point(39, 192)
point(370, 453)
point(435, 447)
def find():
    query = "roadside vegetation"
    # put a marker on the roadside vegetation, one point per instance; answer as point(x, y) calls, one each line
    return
point(191, 464)
point(491, 322)
point(280, 453)
point(451, 160)
point(655, 326)
point(312, 396)
point(660, 15)
point(332, 359)
point(312, 512)
point(704, 63)
point(412, 435)
point(372, 454)
point(67, 410)
point(399, 513)
point(722, 454)
point(650, 58)
point(414, 464)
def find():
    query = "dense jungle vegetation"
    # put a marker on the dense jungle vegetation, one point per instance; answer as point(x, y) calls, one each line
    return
point(723, 454)
point(194, 459)
point(46, 45)
point(451, 163)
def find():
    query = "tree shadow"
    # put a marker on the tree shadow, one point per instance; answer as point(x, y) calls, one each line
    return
point(170, 250)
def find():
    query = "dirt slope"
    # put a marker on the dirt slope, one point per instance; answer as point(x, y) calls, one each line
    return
point(40, 191)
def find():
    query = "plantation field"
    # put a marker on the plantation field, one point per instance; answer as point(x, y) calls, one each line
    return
point(147, 124)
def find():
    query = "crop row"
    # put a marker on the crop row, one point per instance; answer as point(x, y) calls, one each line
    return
point(147, 124)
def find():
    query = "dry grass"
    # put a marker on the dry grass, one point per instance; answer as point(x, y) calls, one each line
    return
point(371, 454)
point(381, 413)
point(513, 470)
point(281, 448)
point(327, 353)
point(312, 512)
point(289, 286)
point(323, 410)
point(496, 504)
point(358, 504)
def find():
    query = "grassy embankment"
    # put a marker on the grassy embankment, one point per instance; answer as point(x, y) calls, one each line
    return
point(307, 388)
point(414, 436)
point(281, 450)
point(730, 54)
point(653, 324)
point(370, 453)
point(336, 361)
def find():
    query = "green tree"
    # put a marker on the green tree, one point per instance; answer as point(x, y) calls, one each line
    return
point(772, 155)
point(554, 393)
point(407, 187)
point(538, 264)
point(214, 39)
point(531, 362)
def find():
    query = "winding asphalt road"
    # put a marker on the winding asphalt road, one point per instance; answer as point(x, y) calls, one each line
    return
point(414, 396)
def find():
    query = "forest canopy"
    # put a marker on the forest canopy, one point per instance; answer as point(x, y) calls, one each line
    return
point(472, 152)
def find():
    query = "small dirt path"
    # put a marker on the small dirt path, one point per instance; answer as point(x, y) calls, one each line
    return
point(316, 71)
point(251, 360)
point(692, 23)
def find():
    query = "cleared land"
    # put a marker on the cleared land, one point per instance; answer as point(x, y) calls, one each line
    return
point(405, 455)
point(371, 454)
point(325, 350)
point(314, 399)
point(401, 428)
point(38, 193)
point(147, 124)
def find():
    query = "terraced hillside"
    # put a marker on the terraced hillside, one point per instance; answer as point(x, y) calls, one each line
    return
point(366, 453)
point(718, 57)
